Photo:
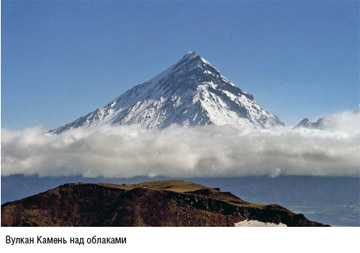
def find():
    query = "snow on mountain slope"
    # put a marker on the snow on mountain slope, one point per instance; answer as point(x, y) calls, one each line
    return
point(306, 123)
point(191, 92)
point(348, 121)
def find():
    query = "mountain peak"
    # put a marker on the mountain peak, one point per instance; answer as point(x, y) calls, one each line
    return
point(190, 54)
point(306, 123)
point(192, 58)
point(191, 92)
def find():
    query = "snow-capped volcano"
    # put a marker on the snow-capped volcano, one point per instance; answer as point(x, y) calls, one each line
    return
point(191, 92)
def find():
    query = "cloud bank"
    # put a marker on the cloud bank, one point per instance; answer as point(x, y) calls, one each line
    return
point(208, 151)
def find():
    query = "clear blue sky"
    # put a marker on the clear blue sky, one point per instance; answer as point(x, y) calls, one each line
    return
point(63, 59)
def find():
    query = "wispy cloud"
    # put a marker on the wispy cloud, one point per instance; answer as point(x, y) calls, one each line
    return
point(127, 151)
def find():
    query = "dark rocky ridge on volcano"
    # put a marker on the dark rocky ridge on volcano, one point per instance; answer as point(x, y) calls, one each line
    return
point(159, 203)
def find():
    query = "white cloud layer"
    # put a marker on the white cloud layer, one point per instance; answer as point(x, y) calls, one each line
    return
point(211, 151)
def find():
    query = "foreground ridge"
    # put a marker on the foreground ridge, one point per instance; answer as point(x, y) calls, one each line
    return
point(158, 203)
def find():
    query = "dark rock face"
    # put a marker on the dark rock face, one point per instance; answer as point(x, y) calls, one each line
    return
point(160, 203)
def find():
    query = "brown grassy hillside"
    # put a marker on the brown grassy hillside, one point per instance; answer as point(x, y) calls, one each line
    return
point(159, 203)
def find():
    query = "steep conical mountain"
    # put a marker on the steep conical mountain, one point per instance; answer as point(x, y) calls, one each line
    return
point(191, 92)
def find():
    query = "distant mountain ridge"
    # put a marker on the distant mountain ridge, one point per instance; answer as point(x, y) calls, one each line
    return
point(348, 121)
point(306, 123)
point(192, 92)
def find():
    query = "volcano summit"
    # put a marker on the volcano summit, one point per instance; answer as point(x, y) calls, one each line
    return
point(192, 92)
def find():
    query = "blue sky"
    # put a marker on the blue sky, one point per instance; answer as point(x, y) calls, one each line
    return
point(63, 59)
